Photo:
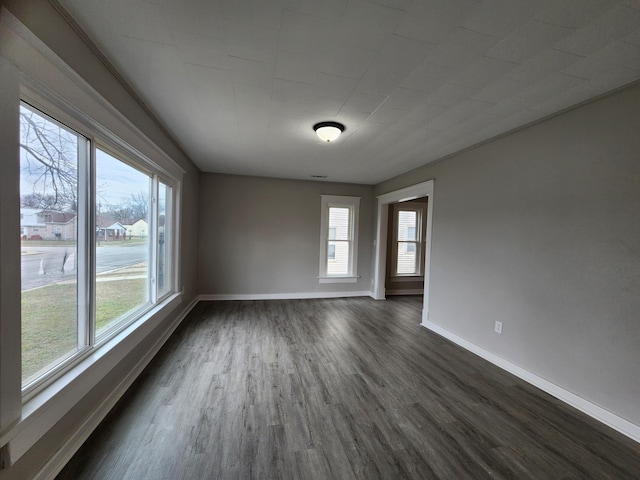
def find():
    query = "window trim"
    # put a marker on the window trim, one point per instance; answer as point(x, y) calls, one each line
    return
point(353, 204)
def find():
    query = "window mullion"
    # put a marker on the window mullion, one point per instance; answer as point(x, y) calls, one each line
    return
point(153, 242)
point(91, 244)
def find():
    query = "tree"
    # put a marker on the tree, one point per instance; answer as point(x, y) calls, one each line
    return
point(49, 162)
point(132, 209)
point(138, 204)
point(38, 201)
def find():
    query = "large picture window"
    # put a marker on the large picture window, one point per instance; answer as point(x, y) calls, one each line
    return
point(96, 242)
point(339, 239)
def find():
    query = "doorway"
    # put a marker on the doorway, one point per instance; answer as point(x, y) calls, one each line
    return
point(424, 189)
point(406, 247)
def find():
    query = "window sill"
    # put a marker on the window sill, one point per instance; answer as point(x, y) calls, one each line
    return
point(407, 278)
point(338, 279)
point(47, 407)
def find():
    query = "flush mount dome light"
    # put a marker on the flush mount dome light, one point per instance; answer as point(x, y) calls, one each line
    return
point(328, 131)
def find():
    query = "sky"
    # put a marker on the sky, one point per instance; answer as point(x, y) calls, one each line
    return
point(116, 181)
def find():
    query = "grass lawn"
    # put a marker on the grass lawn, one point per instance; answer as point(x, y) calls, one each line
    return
point(49, 326)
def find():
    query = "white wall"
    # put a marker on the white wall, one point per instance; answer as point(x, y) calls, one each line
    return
point(541, 230)
point(261, 236)
point(38, 47)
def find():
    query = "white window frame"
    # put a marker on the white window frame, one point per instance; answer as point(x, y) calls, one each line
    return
point(419, 210)
point(353, 205)
point(99, 137)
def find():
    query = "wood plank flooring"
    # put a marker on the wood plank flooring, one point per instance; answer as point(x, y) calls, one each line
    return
point(338, 389)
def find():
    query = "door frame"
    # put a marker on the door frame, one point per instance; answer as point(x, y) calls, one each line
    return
point(424, 189)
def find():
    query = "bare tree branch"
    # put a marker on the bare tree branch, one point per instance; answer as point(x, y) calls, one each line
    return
point(50, 154)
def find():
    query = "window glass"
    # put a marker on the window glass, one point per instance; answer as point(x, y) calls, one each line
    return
point(407, 253)
point(123, 210)
point(49, 160)
point(407, 225)
point(164, 238)
point(338, 247)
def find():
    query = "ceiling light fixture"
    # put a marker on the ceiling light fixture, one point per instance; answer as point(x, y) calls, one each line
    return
point(328, 131)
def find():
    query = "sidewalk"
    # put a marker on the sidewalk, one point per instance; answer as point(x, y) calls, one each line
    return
point(131, 272)
point(126, 273)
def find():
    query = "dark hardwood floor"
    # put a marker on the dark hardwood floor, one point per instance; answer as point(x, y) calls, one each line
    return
point(338, 389)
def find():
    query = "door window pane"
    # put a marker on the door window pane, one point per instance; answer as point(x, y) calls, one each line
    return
point(49, 160)
point(122, 240)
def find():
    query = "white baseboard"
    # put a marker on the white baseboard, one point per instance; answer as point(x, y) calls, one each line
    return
point(56, 463)
point(281, 296)
point(603, 415)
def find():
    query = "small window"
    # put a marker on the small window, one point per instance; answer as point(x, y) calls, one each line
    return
point(407, 241)
point(339, 237)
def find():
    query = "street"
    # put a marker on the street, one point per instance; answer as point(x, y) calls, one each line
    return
point(47, 265)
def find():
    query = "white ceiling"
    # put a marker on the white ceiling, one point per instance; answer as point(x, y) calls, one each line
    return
point(240, 83)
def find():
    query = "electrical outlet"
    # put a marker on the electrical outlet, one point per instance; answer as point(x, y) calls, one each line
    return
point(498, 327)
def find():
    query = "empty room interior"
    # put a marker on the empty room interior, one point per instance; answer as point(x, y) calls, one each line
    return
point(325, 239)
